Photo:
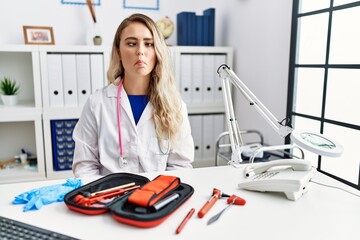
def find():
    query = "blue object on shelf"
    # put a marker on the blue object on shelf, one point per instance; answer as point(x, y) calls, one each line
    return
point(62, 143)
point(193, 30)
point(211, 26)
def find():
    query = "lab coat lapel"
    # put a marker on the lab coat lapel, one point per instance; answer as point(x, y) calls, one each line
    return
point(146, 115)
point(125, 104)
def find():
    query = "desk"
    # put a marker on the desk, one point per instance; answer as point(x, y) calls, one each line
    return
point(322, 213)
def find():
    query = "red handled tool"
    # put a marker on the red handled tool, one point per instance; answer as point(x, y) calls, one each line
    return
point(87, 201)
point(212, 200)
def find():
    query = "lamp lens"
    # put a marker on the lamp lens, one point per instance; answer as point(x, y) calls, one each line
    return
point(318, 140)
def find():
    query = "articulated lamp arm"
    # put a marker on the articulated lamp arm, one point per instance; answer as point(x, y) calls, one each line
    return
point(226, 74)
point(314, 142)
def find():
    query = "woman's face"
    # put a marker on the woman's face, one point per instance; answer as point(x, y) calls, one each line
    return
point(137, 51)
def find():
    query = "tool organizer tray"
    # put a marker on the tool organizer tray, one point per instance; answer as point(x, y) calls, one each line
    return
point(121, 209)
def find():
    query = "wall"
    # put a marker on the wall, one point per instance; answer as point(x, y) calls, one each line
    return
point(258, 30)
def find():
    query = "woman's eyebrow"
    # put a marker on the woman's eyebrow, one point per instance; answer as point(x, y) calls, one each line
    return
point(134, 38)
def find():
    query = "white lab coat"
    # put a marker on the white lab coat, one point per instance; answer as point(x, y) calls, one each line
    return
point(97, 142)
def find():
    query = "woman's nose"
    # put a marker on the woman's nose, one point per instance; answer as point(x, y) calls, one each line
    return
point(140, 51)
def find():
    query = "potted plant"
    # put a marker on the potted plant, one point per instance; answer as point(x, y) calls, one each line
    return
point(9, 90)
point(97, 40)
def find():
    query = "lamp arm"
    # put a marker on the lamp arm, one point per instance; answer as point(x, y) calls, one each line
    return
point(226, 74)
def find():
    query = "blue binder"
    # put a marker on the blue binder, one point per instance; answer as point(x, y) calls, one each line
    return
point(211, 13)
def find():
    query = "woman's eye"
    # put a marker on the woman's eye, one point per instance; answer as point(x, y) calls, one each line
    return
point(150, 44)
point(131, 44)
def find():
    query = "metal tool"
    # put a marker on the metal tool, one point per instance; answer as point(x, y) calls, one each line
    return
point(87, 201)
point(233, 200)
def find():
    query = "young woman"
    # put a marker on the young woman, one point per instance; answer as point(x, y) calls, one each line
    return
point(137, 123)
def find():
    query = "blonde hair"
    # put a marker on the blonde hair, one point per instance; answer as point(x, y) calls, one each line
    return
point(163, 94)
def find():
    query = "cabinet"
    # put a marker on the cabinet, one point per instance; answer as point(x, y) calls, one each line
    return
point(69, 75)
point(28, 125)
point(47, 101)
point(21, 125)
point(201, 89)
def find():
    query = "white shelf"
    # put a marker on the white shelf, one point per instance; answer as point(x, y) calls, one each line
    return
point(200, 108)
point(21, 173)
point(23, 111)
point(62, 113)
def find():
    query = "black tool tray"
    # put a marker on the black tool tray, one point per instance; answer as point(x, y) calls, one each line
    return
point(122, 210)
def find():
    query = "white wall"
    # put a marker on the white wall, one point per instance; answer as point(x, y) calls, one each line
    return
point(260, 33)
point(258, 30)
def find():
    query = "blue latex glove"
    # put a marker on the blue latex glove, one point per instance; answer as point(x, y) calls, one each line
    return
point(36, 198)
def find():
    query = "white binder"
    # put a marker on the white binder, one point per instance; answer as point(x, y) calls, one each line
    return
point(208, 137)
point(219, 60)
point(185, 77)
point(196, 131)
point(97, 72)
point(209, 78)
point(69, 78)
point(83, 77)
point(56, 93)
point(219, 125)
point(197, 78)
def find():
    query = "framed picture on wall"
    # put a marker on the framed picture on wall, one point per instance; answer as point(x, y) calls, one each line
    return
point(38, 35)
point(141, 4)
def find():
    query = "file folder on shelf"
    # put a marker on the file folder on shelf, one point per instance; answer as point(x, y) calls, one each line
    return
point(97, 71)
point(55, 77)
point(196, 131)
point(83, 77)
point(193, 30)
point(208, 136)
point(69, 79)
point(211, 27)
point(219, 60)
point(185, 77)
point(197, 78)
point(209, 78)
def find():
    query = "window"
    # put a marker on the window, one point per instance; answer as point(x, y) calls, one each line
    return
point(324, 80)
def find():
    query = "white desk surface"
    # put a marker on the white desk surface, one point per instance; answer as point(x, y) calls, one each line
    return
point(322, 213)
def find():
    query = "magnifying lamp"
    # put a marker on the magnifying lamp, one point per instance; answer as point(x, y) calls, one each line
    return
point(311, 141)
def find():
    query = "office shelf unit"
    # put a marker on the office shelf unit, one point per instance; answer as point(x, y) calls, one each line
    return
point(41, 70)
point(201, 89)
point(63, 71)
point(21, 125)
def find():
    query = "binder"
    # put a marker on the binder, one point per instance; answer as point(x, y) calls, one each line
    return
point(83, 77)
point(197, 78)
point(209, 137)
point(199, 31)
point(196, 131)
point(219, 125)
point(69, 78)
point(219, 60)
point(211, 13)
point(206, 30)
point(182, 29)
point(185, 77)
point(191, 24)
point(209, 78)
point(97, 71)
point(56, 93)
